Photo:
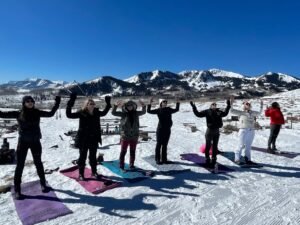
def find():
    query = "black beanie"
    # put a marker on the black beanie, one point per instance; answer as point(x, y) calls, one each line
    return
point(275, 105)
point(26, 98)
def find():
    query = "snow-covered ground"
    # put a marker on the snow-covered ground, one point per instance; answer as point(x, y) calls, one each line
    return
point(268, 195)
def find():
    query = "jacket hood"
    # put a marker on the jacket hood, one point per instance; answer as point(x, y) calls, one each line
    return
point(124, 108)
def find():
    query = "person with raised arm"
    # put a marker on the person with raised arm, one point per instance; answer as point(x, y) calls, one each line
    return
point(89, 131)
point(246, 133)
point(29, 138)
point(276, 119)
point(163, 131)
point(214, 123)
point(129, 129)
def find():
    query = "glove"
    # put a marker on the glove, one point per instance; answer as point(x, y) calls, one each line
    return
point(228, 102)
point(192, 104)
point(73, 96)
point(71, 102)
point(107, 99)
point(57, 100)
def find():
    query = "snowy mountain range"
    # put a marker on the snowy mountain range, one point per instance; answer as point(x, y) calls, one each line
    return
point(33, 83)
point(194, 82)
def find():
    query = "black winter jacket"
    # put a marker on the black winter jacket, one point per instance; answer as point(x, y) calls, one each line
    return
point(89, 125)
point(164, 116)
point(29, 121)
point(213, 117)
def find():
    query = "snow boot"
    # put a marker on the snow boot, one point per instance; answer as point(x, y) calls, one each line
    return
point(213, 163)
point(270, 150)
point(207, 162)
point(249, 162)
point(81, 174)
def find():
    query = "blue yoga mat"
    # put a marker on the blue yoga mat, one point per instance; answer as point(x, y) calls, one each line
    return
point(129, 175)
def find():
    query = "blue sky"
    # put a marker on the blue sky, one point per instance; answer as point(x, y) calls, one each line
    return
point(84, 39)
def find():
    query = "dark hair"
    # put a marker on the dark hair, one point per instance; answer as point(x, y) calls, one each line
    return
point(275, 105)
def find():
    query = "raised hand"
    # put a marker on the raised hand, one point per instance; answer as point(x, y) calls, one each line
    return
point(57, 100)
point(192, 103)
point(151, 100)
point(141, 102)
point(119, 103)
point(107, 99)
point(228, 102)
point(231, 100)
point(71, 102)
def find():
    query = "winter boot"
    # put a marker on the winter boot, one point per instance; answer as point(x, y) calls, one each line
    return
point(207, 162)
point(248, 161)
point(18, 195)
point(81, 174)
point(213, 162)
point(270, 150)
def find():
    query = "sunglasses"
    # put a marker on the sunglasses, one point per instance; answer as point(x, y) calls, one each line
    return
point(165, 101)
point(247, 103)
point(214, 104)
point(28, 101)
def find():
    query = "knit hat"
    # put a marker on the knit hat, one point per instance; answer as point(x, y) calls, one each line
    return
point(130, 103)
point(275, 105)
point(161, 100)
point(27, 98)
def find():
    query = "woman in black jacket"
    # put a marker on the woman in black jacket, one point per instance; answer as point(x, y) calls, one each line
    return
point(29, 137)
point(89, 132)
point(214, 122)
point(163, 130)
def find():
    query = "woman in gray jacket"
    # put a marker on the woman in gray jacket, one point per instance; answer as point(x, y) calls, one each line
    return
point(246, 133)
point(129, 129)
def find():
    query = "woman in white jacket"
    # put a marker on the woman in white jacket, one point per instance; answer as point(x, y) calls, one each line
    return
point(246, 132)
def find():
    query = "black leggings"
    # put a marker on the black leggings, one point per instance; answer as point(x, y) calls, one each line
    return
point(92, 158)
point(22, 150)
point(162, 136)
point(212, 135)
point(274, 131)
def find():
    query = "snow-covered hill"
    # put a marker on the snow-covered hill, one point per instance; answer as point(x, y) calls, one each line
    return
point(34, 83)
point(186, 83)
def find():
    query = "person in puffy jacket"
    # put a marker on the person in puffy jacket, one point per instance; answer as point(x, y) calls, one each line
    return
point(89, 131)
point(129, 129)
point(246, 129)
point(29, 138)
point(214, 123)
point(163, 131)
point(277, 120)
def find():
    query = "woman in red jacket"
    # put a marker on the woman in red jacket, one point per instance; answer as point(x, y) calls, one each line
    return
point(277, 120)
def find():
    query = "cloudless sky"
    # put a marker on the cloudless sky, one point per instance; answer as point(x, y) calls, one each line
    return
point(84, 39)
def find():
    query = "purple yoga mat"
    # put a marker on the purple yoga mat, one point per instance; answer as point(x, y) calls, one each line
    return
point(38, 206)
point(200, 160)
point(91, 184)
point(286, 154)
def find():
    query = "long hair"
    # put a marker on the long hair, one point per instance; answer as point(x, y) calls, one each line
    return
point(85, 104)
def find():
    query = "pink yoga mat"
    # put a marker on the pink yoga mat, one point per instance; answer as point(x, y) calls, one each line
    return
point(91, 184)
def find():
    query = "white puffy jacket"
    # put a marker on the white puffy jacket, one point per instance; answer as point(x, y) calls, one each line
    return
point(246, 118)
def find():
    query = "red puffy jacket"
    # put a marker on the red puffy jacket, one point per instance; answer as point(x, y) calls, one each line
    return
point(275, 114)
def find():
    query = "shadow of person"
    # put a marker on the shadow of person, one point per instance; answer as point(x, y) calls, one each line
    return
point(110, 205)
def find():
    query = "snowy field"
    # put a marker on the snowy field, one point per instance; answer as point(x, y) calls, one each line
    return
point(268, 195)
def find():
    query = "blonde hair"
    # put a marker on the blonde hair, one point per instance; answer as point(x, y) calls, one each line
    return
point(86, 102)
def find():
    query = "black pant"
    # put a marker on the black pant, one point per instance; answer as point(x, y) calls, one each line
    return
point(274, 131)
point(162, 136)
point(36, 150)
point(212, 135)
point(91, 146)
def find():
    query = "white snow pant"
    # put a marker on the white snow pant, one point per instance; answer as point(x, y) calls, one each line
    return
point(246, 137)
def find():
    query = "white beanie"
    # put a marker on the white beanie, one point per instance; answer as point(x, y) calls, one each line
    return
point(161, 100)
